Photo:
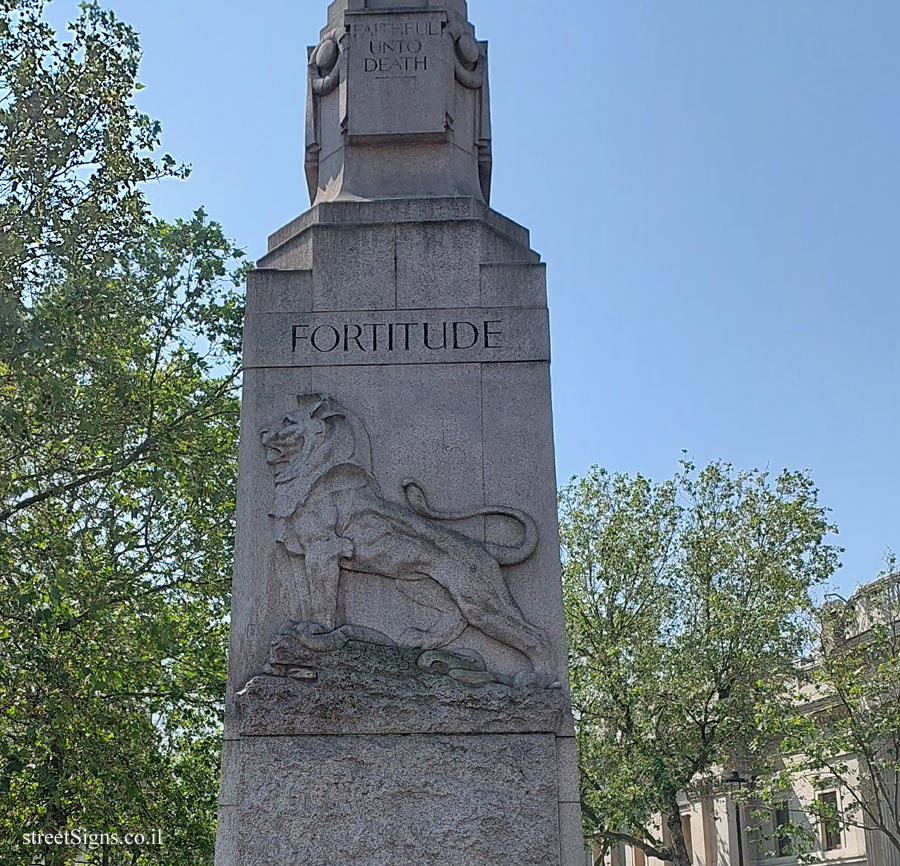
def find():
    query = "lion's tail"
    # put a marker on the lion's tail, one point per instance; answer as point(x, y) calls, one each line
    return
point(504, 554)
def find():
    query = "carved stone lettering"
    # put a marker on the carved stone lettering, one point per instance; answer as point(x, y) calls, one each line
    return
point(394, 48)
point(329, 514)
point(396, 73)
point(397, 337)
point(395, 29)
point(395, 64)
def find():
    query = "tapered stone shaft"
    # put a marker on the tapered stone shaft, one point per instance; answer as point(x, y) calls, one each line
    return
point(397, 672)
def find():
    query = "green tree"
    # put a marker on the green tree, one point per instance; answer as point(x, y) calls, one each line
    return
point(118, 426)
point(687, 605)
point(844, 735)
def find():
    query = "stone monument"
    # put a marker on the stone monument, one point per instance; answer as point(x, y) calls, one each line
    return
point(397, 678)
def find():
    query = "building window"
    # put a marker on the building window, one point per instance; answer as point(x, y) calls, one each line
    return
point(688, 835)
point(782, 820)
point(830, 821)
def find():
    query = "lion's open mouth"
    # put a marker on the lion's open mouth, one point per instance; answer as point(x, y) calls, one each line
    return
point(274, 455)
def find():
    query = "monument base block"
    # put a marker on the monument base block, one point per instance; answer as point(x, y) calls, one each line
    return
point(398, 800)
point(406, 757)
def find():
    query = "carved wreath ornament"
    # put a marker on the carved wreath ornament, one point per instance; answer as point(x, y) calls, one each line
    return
point(330, 514)
point(468, 55)
point(324, 69)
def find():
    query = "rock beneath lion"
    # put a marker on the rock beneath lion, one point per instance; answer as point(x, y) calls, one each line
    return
point(370, 688)
point(293, 673)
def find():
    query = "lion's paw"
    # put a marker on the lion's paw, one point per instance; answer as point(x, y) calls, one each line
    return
point(444, 661)
point(535, 680)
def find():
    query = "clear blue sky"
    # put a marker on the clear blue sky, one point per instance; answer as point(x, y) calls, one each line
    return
point(715, 185)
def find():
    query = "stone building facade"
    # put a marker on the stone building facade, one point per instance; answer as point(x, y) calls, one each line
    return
point(725, 828)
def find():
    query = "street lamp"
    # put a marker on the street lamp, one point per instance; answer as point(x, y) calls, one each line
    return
point(737, 782)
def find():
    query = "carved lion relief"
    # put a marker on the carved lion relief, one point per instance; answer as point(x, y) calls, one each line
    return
point(329, 514)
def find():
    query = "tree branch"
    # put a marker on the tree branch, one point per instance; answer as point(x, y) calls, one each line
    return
point(651, 850)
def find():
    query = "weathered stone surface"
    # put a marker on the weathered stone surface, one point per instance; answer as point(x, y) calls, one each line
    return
point(572, 847)
point(435, 262)
point(519, 467)
point(367, 689)
point(353, 269)
point(227, 830)
point(513, 285)
point(229, 784)
point(279, 291)
point(391, 800)
point(567, 762)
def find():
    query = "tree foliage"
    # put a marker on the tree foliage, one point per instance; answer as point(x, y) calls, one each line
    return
point(687, 604)
point(845, 731)
point(118, 425)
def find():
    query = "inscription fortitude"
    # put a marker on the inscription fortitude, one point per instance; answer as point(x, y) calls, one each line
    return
point(397, 337)
point(396, 87)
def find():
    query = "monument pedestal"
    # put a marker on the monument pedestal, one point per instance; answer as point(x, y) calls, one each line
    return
point(362, 755)
point(397, 673)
